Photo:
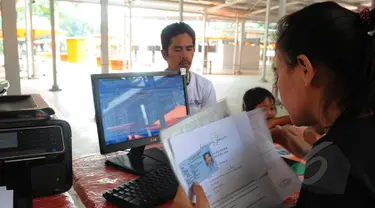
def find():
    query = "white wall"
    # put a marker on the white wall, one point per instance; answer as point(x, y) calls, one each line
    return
point(250, 58)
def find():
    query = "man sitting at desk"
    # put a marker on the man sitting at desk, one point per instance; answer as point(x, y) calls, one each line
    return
point(178, 47)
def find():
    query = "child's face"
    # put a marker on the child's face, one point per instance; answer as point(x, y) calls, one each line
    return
point(268, 107)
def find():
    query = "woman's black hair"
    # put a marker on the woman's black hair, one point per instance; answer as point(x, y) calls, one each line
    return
point(339, 41)
point(254, 97)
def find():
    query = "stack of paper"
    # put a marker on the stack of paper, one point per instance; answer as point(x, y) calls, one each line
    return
point(6, 197)
point(231, 156)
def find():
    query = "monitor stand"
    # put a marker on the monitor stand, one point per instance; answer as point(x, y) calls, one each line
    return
point(139, 161)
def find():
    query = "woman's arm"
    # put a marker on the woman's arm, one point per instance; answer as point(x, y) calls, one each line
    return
point(291, 140)
point(279, 121)
point(311, 135)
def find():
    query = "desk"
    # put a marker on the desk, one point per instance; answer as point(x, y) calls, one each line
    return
point(60, 200)
point(91, 178)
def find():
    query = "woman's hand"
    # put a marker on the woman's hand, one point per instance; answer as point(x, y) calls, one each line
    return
point(311, 136)
point(281, 121)
point(182, 201)
point(288, 137)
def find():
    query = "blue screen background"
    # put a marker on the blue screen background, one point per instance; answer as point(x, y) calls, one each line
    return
point(138, 107)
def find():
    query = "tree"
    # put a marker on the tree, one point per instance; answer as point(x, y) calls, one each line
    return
point(39, 8)
point(75, 27)
point(70, 23)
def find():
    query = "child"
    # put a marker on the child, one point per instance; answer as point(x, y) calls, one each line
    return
point(262, 98)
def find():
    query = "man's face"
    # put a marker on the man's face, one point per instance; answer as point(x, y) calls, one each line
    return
point(180, 52)
point(208, 159)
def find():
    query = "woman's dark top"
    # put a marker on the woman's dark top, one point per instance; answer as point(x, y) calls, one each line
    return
point(341, 169)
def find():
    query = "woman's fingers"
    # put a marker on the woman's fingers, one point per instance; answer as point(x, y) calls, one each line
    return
point(288, 137)
point(202, 201)
point(278, 135)
point(181, 200)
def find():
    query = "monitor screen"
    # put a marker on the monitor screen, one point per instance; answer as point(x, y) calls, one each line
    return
point(136, 107)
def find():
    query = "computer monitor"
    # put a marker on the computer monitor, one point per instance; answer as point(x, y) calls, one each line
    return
point(131, 108)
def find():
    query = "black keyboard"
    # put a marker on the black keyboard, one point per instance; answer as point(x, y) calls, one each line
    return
point(149, 190)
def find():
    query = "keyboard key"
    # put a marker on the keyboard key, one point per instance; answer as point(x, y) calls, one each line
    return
point(153, 188)
point(129, 198)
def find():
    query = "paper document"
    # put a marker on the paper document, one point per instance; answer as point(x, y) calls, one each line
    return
point(204, 117)
point(230, 157)
point(6, 197)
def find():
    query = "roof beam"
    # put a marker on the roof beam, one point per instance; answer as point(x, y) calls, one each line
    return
point(220, 6)
point(260, 11)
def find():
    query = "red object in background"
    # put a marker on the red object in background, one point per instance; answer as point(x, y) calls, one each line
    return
point(284, 153)
point(61, 200)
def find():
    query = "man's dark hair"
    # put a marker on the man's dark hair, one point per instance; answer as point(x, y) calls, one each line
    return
point(338, 40)
point(254, 97)
point(173, 30)
point(207, 153)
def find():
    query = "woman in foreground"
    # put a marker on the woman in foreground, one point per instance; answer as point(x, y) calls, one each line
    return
point(326, 69)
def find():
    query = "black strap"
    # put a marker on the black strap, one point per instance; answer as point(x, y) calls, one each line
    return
point(188, 77)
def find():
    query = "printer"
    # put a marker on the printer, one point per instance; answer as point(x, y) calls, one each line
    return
point(35, 149)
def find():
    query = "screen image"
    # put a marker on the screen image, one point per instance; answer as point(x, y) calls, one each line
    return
point(138, 107)
point(8, 140)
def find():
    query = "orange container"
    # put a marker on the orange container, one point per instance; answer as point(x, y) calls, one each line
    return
point(116, 64)
point(99, 61)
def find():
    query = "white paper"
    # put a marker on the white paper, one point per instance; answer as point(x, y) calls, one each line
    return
point(204, 117)
point(285, 181)
point(6, 197)
point(247, 170)
point(240, 164)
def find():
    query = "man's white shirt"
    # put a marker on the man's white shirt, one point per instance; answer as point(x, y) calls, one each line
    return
point(200, 92)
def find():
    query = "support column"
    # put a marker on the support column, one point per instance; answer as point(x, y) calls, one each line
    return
point(34, 72)
point(124, 48)
point(104, 45)
point(130, 37)
point(204, 64)
point(242, 44)
point(11, 59)
point(181, 10)
point(282, 8)
point(275, 89)
point(235, 47)
point(28, 38)
point(55, 86)
point(266, 25)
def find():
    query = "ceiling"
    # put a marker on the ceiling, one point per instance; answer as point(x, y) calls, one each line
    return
point(254, 10)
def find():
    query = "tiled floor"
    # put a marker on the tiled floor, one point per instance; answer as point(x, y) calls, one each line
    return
point(75, 104)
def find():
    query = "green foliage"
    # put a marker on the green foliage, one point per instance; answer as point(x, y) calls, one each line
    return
point(72, 25)
point(40, 8)
point(272, 37)
point(75, 27)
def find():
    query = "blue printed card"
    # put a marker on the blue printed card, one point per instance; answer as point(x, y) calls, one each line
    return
point(199, 166)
